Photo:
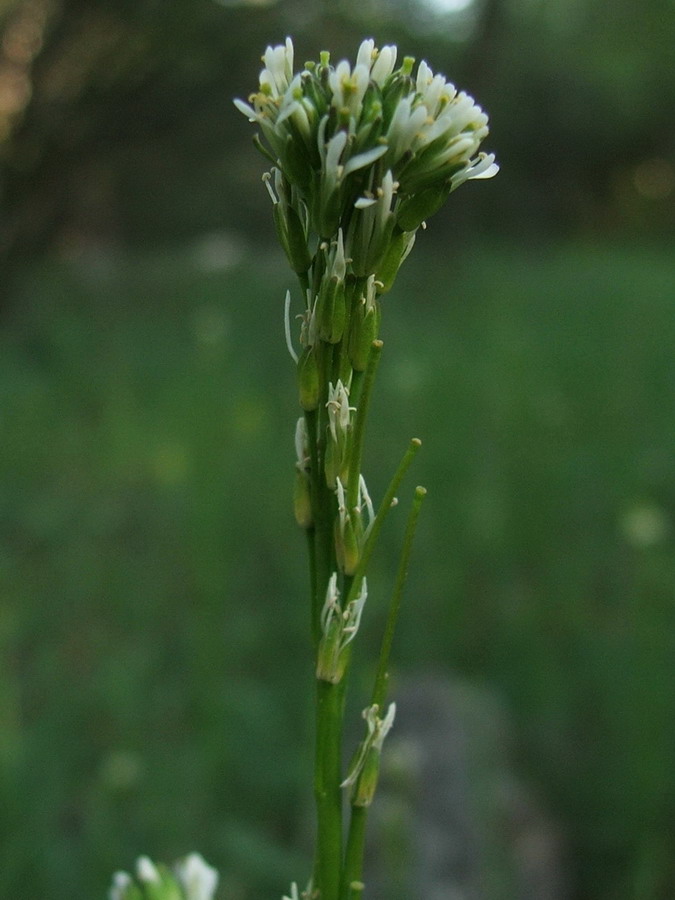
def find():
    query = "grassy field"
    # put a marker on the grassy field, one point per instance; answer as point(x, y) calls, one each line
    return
point(154, 668)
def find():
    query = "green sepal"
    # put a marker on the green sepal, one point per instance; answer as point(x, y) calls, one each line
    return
point(258, 144)
point(331, 661)
point(397, 87)
point(419, 207)
point(379, 245)
point(364, 789)
point(296, 164)
point(302, 500)
point(292, 236)
point(336, 461)
point(392, 259)
point(331, 310)
point(365, 326)
point(369, 246)
point(347, 545)
point(308, 380)
point(327, 211)
point(132, 892)
point(165, 889)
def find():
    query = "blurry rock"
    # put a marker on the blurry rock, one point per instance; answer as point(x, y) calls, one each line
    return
point(452, 820)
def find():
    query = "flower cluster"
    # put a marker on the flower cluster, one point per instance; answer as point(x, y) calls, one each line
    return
point(361, 156)
point(372, 147)
point(190, 879)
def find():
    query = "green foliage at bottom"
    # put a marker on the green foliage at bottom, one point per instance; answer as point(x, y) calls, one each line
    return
point(155, 680)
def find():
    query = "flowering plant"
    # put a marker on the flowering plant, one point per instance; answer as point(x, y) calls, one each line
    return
point(189, 879)
point(361, 157)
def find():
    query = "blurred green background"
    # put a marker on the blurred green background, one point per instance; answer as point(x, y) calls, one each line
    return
point(155, 678)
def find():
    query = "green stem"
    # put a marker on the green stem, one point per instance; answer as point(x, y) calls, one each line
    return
point(329, 697)
point(328, 793)
point(356, 388)
point(317, 565)
point(380, 688)
point(354, 290)
point(313, 589)
point(324, 504)
point(353, 872)
point(360, 425)
point(352, 886)
point(382, 513)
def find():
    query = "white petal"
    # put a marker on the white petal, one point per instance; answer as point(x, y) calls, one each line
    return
point(384, 64)
point(364, 159)
point(247, 110)
point(146, 870)
point(365, 55)
point(334, 151)
point(197, 878)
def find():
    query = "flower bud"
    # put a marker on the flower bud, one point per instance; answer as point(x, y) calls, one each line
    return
point(198, 879)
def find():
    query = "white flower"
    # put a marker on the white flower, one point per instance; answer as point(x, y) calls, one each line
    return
point(336, 264)
point(278, 71)
point(378, 729)
point(347, 620)
point(484, 166)
point(294, 893)
point(198, 879)
point(339, 410)
point(349, 87)
point(380, 63)
point(121, 881)
point(367, 53)
point(328, 125)
point(405, 126)
point(296, 107)
point(384, 64)
point(301, 444)
point(146, 871)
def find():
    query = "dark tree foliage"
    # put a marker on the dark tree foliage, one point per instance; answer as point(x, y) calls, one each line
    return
point(128, 133)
